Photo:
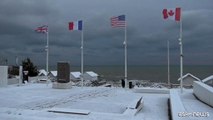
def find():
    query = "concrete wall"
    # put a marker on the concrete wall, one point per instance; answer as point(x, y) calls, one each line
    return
point(3, 76)
point(203, 92)
point(11, 81)
point(151, 90)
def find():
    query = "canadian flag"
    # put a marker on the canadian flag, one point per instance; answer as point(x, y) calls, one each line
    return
point(174, 14)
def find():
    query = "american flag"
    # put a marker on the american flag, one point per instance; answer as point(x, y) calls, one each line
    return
point(118, 21)
point(42, 29)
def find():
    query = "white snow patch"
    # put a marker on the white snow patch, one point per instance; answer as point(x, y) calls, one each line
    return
point(32, 101)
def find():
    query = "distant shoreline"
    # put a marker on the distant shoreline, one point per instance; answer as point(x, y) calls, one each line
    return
point(154, 73)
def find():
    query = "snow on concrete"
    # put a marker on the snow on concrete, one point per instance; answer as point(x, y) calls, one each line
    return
point(203, 92)
point(195, 109)
point(32, 101)
point(176, 105)
point(69, 111)
point(151, 90)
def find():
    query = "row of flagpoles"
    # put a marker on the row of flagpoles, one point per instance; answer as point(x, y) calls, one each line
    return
point(120, 22)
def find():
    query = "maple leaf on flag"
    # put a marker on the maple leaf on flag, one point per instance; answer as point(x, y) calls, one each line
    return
point(174, 14)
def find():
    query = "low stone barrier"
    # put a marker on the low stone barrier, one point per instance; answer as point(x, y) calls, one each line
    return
point(151, 90)
point(176, 105)
point(203, 92)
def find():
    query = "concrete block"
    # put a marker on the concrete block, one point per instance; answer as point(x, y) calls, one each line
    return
point(57, 85)
point(3, 76)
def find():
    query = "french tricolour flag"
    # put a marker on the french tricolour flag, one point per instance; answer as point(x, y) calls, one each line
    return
point(77, 25)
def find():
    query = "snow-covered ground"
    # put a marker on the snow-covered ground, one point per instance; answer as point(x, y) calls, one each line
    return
point(32, 101)
point(197, 109)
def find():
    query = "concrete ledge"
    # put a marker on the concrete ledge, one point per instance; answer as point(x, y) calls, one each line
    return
point(176, 105)
point(3, 76)
point(57, 85)
point(151, 90)
point(69, 111)
point(203, 92)
point(134, 107)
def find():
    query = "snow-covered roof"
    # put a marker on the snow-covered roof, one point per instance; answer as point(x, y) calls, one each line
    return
point(189, 74)
point(76, 74)
point(42, 71)
point(54, 73)
point(91, 73)
point(208, 79)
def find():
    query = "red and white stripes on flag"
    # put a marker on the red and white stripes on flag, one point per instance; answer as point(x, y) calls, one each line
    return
point(42, 29)
point(173, 14)
point(118, 21)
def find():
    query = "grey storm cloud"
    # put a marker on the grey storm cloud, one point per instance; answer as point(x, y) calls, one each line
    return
point(147, 32)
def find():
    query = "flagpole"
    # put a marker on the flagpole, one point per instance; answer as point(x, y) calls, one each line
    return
point(181, 56)
point(82, 57)
point(125, 53)
point(47, 50)
point(168, 64)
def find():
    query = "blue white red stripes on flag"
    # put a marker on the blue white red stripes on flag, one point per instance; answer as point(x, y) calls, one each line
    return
point(42, 29)
point(118, 21)
point(76, 25)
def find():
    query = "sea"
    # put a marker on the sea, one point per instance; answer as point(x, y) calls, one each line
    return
point(152, 73)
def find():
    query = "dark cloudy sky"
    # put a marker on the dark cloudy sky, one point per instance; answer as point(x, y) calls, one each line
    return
point(147, 32)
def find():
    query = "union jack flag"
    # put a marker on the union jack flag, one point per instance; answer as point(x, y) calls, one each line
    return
point(42, 29)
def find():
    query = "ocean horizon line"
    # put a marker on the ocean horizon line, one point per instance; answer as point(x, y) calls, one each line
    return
point(122, 65)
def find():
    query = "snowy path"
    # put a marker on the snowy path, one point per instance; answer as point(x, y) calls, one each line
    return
point(40, 96)
point(49, 103)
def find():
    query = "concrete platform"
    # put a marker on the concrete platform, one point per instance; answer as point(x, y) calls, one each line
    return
point(34, 99)
point(185, 106)
point(57, 85)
